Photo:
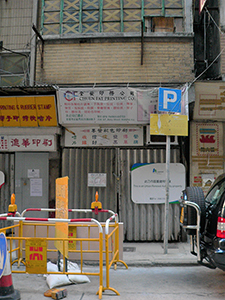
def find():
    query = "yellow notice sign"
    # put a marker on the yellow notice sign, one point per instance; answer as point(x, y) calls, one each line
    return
point(166, 124)
point(36, 256)
point(28, 111)
point(72, 234)
point(61, 228)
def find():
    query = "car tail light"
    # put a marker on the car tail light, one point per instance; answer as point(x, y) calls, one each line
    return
point(220, 228)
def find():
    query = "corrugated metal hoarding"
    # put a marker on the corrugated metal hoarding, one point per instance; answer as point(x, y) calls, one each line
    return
point(142, 222)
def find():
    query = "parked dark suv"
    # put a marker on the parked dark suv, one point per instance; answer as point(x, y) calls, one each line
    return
point(204, 221)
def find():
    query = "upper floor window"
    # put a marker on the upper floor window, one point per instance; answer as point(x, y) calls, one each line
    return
point(64, 17)
point(14, 69)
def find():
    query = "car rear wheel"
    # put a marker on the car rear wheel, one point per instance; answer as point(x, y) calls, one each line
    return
point(196, 195)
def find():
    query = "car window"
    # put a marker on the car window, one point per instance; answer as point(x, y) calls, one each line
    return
point(214, 195)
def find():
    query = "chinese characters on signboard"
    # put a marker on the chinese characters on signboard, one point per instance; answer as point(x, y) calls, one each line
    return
point(209, 101)
point(207, 139)
point(106, 106)
point(148, 182)
point(104, 136)
point(207, 158)
point(27, 143)
point(36, 255)
point(28, 111)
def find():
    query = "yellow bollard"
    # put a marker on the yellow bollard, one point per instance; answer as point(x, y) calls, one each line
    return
point(96, 205)
point(12, 207)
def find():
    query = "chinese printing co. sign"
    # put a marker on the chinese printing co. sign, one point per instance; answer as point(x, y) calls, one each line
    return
point(97, 106)
point(148, 183)
point(105, 106)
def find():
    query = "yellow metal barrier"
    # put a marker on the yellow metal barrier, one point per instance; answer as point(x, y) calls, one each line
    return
point(21, 248)
point(32, 242)
point(115, 250)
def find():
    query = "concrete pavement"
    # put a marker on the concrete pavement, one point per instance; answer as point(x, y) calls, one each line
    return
point(152, 254)
point(133, 283)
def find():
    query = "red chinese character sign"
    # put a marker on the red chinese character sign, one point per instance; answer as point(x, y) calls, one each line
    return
point(104, 136)
point(28, 143)
point(207, 153)
point(36, 256)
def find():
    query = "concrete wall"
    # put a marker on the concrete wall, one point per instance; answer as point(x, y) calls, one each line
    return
point(165, 60)
point(222, 14)
point(16, 24)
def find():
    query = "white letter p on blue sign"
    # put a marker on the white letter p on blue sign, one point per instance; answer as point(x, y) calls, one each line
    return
point(169, 100)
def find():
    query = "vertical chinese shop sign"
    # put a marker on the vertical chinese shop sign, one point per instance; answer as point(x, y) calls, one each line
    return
point(61, 228)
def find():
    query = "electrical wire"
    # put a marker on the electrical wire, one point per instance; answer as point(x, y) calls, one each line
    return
point(14, 52)
point(214, 21)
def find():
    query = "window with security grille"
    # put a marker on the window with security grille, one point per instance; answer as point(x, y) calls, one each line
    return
point(69, 17)
point(13, 69)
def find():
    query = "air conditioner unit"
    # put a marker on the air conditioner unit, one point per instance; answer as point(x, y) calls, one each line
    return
point(159, 139)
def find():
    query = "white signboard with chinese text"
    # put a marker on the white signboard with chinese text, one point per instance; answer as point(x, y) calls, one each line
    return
point(207, 153)
point(97, 179)
point(209, 101)
point(148, 183)
point(104, 136)
point(106, 105)
point(27, 143)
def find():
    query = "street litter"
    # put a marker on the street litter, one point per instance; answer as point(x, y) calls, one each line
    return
point(56, 280)
point(56, 293)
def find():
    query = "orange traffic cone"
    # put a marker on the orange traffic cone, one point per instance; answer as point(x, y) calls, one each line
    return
point(7, 291)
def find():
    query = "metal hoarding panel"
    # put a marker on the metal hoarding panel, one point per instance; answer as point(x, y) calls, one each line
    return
point(142, 222)
point(77, 164)
point(145, 222)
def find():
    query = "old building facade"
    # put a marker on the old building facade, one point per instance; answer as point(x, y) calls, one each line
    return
point(127, 48)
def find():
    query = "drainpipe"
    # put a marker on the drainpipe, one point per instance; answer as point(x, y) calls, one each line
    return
point(33, 44)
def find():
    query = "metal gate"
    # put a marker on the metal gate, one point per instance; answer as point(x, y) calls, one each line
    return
point(142, 222)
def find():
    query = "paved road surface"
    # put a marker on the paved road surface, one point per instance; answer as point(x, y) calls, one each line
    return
point(175, 283)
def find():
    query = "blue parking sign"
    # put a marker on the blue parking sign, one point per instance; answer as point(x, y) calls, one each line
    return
point(3, 253)
point(169, 100)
